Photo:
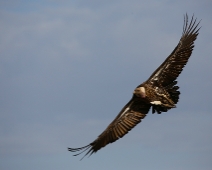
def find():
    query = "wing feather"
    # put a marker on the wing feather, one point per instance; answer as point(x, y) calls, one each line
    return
point(170, 69)
point(129, 117)
point(136, 109)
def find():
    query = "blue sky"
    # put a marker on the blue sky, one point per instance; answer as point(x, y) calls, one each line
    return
point(68, 67)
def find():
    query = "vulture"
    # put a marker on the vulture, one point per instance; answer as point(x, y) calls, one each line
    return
point(160, 92)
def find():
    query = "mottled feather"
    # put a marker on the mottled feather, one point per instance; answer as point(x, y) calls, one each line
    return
point(170, 69)
point(159, 92)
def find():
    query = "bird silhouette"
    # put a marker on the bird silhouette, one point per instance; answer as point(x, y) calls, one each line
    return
point(160, 92)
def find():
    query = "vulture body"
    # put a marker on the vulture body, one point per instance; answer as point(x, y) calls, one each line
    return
point(160, 92)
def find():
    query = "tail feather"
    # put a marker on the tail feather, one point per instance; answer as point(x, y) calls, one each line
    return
point(173, 92)
point(174, 95)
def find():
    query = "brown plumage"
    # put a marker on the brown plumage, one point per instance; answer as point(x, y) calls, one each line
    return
point(159, 92)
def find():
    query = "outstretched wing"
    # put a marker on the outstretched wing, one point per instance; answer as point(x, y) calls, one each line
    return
point(130, 116)
point(170, 69)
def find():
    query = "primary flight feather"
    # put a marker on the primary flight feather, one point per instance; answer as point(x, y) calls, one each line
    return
point(159, 92)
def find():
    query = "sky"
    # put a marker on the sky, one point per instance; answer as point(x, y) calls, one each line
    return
point(68, 67)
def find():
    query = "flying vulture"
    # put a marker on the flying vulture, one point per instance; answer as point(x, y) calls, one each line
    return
point(160, 92)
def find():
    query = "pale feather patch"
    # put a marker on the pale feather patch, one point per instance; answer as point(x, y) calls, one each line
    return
point(124, 111)
point(156, 102)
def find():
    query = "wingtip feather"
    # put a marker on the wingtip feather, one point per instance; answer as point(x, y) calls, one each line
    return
point(82, 149)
